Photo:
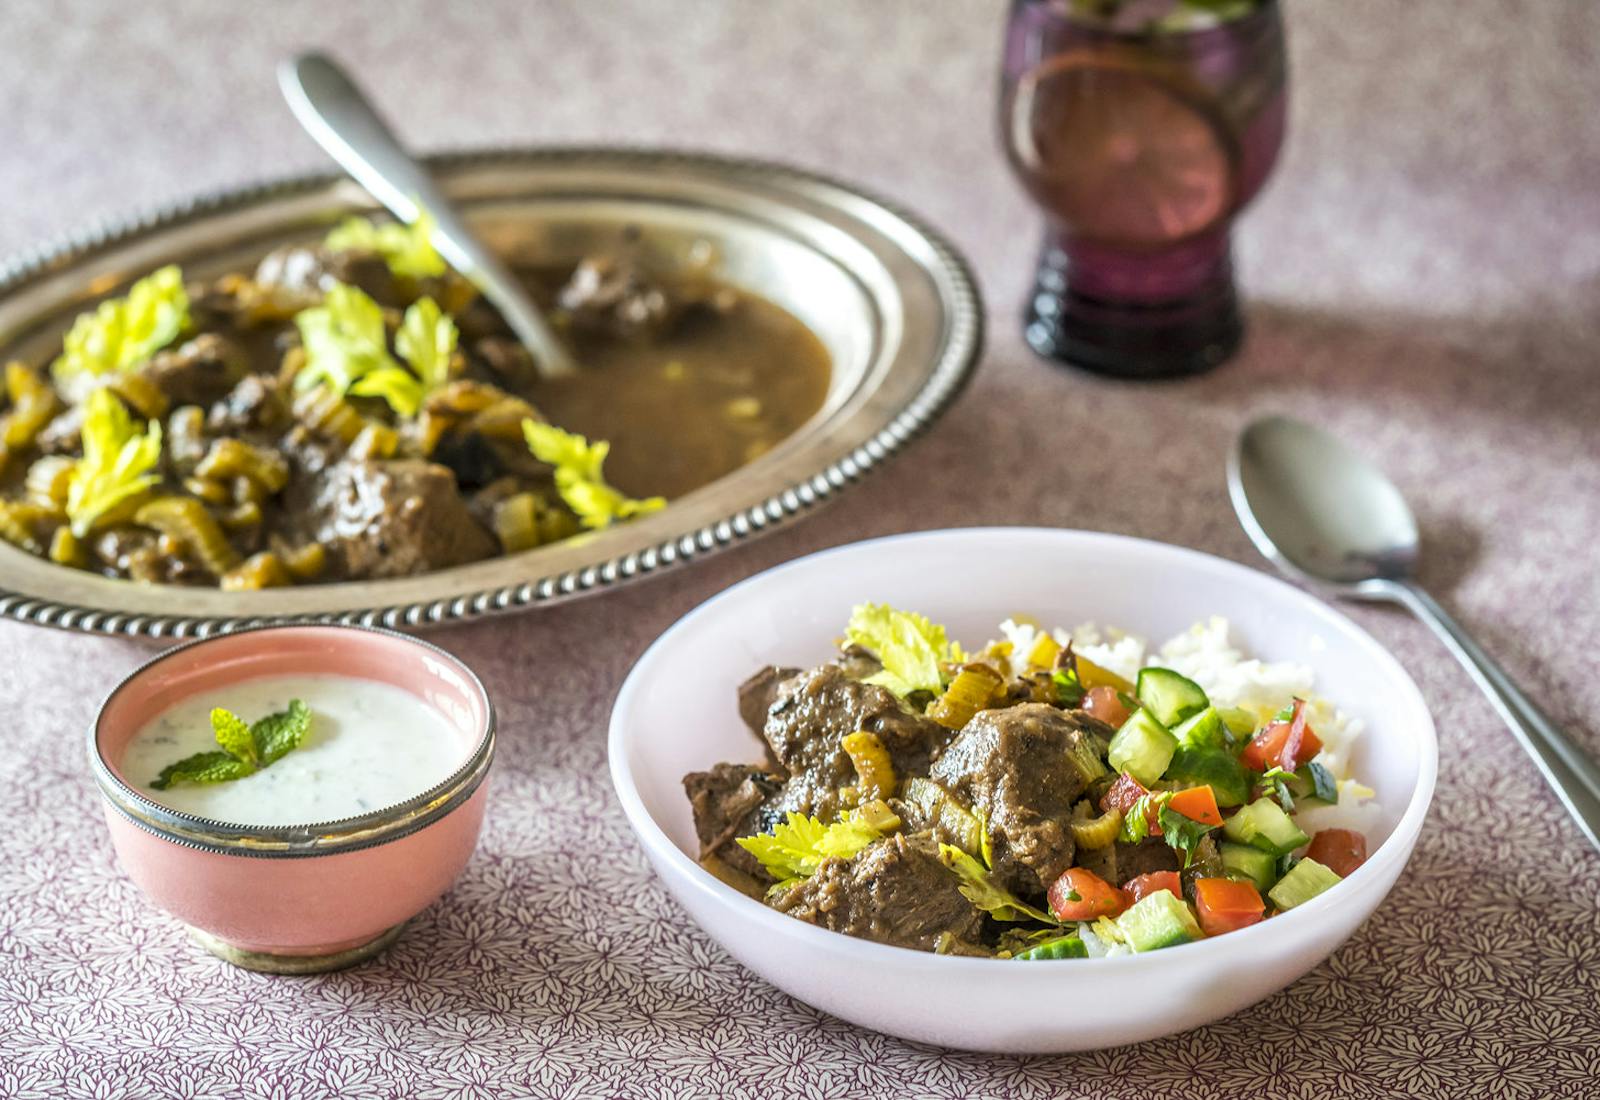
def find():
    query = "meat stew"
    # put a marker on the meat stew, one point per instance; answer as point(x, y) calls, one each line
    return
point(352, 410)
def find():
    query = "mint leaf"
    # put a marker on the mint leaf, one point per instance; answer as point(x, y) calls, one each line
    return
point(276, 734)
point(242, 748)
point(233, 735)
point(203, 767)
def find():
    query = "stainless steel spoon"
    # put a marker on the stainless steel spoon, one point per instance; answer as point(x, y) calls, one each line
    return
point(1321, 513)
point(341, 119)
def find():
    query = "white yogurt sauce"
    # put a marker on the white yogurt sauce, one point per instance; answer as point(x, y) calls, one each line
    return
point(370, 745)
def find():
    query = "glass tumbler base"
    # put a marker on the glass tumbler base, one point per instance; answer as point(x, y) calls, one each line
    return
point(1132, 339)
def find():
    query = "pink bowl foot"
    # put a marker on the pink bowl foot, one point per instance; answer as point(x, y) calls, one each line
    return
point(311, 962)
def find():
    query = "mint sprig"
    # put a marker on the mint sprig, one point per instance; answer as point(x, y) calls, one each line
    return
point(244, 748)
point(276, 734)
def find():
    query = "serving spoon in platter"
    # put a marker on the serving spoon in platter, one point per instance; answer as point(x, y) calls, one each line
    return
point(344, 122)
point(1322, 514)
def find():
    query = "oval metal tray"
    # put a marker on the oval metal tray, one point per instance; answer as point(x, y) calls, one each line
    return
point(893, 302)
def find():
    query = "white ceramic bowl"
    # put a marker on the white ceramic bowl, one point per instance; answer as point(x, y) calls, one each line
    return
point(676, 713)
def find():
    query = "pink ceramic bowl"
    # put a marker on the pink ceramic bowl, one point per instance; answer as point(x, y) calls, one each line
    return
point(297, 898)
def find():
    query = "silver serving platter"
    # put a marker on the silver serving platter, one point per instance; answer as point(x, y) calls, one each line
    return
point(892, 301)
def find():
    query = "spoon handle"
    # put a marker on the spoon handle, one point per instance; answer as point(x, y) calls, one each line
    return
point(341, 119)
point(1571, 773)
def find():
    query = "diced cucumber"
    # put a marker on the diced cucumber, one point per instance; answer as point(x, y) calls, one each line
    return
point(1248, 862)
point(1264, 825)
point(1062, 947)
point(1161, 919)
point(1313, 782)
point(1196, 767)
point(1205, 730)
point(1142, 747)
point(1305, 880)
point(1170, 696)
point(1240, 722)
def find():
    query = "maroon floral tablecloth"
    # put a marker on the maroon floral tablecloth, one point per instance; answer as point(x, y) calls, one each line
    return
point(1424, 276)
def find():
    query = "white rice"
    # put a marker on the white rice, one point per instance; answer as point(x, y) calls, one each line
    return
point(1206, 655)
point(1097, 947)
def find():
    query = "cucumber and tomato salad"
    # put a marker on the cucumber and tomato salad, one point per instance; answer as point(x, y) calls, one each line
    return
point(1177, 754)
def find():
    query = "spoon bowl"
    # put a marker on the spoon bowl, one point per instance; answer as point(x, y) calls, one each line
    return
point(1319, 510)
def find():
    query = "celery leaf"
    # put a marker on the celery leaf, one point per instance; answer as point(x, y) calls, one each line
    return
point(118, 463)
point(124, 332)
point(797, 848)
point(578, 475)
point(407, 249)
point(908, 645)
point(982, 891)
point(344, 340)
point(426, 341)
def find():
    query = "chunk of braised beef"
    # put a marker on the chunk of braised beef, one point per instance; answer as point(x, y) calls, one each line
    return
point(894, 891)
point(63, 435)
point(199, 371)
point(394, 518)
point(759, 692)
point(503, 361)
point(615, 295)
point(813, 711)
point(1014, 765)
point(725, 801)
point(1122, 860)
point(304, 273)
point(859, 663)
point(136, 554)
point(256, 404)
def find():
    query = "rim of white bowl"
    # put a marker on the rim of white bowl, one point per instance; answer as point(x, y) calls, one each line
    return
point(1395, 848)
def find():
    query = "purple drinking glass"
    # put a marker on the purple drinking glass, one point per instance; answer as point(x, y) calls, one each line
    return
point(1140, 147)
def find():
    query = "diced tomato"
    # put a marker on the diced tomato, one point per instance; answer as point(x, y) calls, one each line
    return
point(1197, 804)
point(1265, 746)
point(1080, 894)
point(1156, 881)
point(1296, 742)
point(1122, 794)
point(1105, 704)
point(1339, 850)
point(1284, 745)
point(1226, 905)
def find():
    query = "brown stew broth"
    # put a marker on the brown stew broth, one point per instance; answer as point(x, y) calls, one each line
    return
point(687, 407)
